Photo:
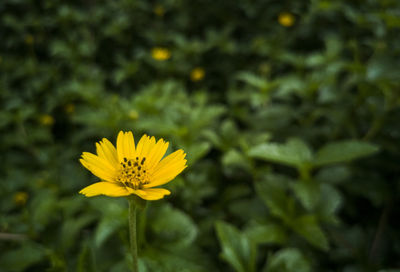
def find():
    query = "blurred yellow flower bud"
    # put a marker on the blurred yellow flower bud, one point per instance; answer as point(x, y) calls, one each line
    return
point(286, 19)
point(159, 10)
point(69, 108)
point(46, 120)
point(160, 53)
point(29, 39)
point(197, 74)
point(132, 114)
point(20, 198)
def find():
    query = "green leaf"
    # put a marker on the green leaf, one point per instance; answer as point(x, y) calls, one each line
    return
point(237, 249)
point(382, 67)
point(46, 206)
point(307, 226)
point(308, 192)
point(330, 202)
point(228, 128)
point(266, 233)
point(272, 191)
point(85, 259)
point(107, 226)
point(293, 153)
point(172, 227)
point(21, 258)
point(289, 85)
point(71, 228)
point(198, 150)
point(188, 260)
point(254, 80)
point(235, 158)
point(114, 217)
point(288, 260)
point(343, 151)
point(333, 174)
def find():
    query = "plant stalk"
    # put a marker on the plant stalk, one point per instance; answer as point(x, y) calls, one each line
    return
point(133, 233)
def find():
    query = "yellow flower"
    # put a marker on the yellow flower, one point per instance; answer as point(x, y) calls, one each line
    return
point(132, 114)
point(197, 74)
point(46, 120)
point(160, 53)
point(69, 108)
point(20, 198)
point(127, 169)
point(29, 39)
point(159, 10)
point(286, 19)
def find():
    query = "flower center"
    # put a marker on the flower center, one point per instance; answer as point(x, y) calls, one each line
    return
point(133, 173)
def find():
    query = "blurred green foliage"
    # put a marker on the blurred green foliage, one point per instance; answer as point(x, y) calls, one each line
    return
point(292, 133)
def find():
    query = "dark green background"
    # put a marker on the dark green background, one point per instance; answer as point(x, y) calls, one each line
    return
point(292, 137)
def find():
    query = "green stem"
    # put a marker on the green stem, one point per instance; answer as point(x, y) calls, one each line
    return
point(304, 171)
point(132, 233)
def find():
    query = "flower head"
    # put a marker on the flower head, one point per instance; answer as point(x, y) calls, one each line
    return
point(197, 74)
point(20, 198)
point(159, 10)
point(132, 114)
point(69, 108)
point(46, 120)
point(286, 19)
point(160, 53)
point(127, 169)
point(29, 39)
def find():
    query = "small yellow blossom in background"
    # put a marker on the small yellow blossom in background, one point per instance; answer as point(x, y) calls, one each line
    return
point(20, 198)
point(197, 74)
point(46, 120)
point(159, 10)
point(132, 114)
point(29, 39)
point(69, 108)
point(286, 19)
point(130, 169)
point(160, 53)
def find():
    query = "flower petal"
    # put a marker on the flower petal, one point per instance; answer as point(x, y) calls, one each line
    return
point(106, 150)
point(143, 146)
point(168, 169)
point(148, 147)
point(125, 145)
point(98, 166)
point(156, 154)
point(152, 194)
point(170, 175)
point(104, 188)
point(172, 158)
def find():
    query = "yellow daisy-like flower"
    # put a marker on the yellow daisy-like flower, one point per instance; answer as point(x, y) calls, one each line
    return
point(29, 39)
point(69, 108)
point(160, 53)
point(197, 74)
point(46, 120)
point(127, 169)
point(159, 10)
point(286, 19)
point(20, 198)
